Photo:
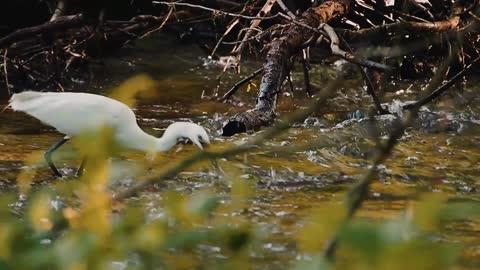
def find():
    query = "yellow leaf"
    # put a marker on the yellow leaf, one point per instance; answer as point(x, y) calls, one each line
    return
point(127, 91)
point(321, 226)
point(40, 213)
point(427, 211)
point(25, 177)
point(150, 236)
point(242, 191)
point(5, 233)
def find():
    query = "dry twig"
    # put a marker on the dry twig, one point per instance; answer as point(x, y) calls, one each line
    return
point(234, 89)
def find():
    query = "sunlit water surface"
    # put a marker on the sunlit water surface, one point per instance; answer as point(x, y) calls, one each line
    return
point(441, 154)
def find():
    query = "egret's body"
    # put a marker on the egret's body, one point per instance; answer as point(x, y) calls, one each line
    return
point(73, 113)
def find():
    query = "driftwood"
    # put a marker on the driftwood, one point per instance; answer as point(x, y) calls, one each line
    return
point(75, 33)
point(275, 67)
point(312, 24)
point(442, 89)
point(237, 86)
point(403, 27)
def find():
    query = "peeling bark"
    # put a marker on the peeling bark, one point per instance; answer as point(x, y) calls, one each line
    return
point(412, 27)
point(280, 50)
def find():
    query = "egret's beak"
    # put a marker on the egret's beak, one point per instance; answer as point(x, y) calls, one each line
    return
point(6, 107)
point(204, 144)
point(200, 143)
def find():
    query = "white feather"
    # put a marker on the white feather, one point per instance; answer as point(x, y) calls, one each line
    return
point(73, 113)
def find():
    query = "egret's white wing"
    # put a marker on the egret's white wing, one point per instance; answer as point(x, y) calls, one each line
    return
point(72, 113)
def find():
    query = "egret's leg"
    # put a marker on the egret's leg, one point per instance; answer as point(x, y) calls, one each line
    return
point(48, 156)
point(82, 167)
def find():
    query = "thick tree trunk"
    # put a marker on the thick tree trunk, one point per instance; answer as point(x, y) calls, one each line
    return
point(275, 68)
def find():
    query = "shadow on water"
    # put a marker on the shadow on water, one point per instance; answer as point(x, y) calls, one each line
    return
point(440, 154)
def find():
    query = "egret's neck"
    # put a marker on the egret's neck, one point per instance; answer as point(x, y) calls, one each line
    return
point(164, 143)
point(137, 139)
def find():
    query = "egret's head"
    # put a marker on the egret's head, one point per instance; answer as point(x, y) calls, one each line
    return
point(195, 133)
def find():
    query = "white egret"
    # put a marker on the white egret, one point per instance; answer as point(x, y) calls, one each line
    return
point(73, 113)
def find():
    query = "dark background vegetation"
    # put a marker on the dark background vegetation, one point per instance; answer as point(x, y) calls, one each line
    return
point(87, 223)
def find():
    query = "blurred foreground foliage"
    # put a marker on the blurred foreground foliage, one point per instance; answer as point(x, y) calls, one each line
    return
point(202, 231)
point(76, 225)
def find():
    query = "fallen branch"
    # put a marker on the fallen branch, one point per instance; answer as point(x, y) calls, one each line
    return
point(166, 18)
point(335, 47)
point(306, 75)
point(234, 89)
point(215, 11)
point(383, 31)
point(236, 54)
point(60, 24)
point(68, 42)
point(286, 10)
point(275, 68)
point(442, 89)
point(294, 37)
point(371, 90)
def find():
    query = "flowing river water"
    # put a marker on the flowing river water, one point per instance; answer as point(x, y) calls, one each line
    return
point(440, 154)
